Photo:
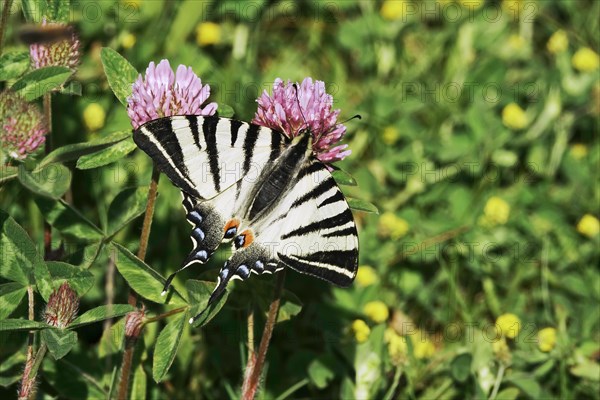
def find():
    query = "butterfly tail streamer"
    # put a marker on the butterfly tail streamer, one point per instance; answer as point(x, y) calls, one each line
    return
point(218, 291)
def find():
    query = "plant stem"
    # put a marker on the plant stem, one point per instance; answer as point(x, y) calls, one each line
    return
point(26, 383)
point(30, 374)
point(292, 389)
point(48, 149)
point(499, 377)
point(165, 315)
point(251, 333)
point(3, 22)
point(133, 297)
point(256, 363)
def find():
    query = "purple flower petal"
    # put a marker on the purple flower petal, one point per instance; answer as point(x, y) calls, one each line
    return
point(162, 93)
point(293, 111)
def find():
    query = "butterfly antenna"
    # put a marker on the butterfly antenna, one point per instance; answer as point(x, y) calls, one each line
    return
point(357, 116)
point(299, 106)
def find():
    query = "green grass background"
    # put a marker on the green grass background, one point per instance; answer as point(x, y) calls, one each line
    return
point(430, 150)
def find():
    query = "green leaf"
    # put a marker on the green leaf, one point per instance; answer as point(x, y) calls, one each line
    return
point(41, 81)
point(43, 280)
point(81, 280)
point(144, 280)
point(8, 172)
point(59, 10)
point(18, 251)
point(11, 295)
point(139, 384)
point(320, 371)
point(188, 14)
point(77, 150)
point(34, 10)
point(508, 394)
point(225, 111)
point(586, 369)
point(361, 205)
point(343, 178)
point(108, 155)
point(526, 383)
point(460, 367)
point(13, 64)
point(67, 220)
point(101, 313)
point(166, 347)
point(120, 73)
point(199, 292)
point(290, 306)
point(59, 342)
point(51, 181)
point(127, 205)
point(21, 325)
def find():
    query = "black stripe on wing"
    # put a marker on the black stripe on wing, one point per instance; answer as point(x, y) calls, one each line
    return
point(337, 266)
point(158, 140)
point(209, 127)
point(339, 219)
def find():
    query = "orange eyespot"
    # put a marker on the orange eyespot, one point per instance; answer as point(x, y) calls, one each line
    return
point(231, 227)
point(248, 237)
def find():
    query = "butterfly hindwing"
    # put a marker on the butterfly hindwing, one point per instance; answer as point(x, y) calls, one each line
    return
point(314, 228)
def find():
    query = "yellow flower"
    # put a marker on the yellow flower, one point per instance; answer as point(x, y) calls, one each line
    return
point(579, 150)
point(396, 344)
point(208, 33)
point(94, 116)
point(547, 339)
point(496, 211)
point(128, 40)
point(361, 330)
point(471, 4)
point(390, 135)
point(514, 117)
point(588, 225)
point(558, 42)
point(366, 276)
point(393, 9)
point(586, 60)
point(501, 350)
point(377, 311)
point(392, 226)
point(422, 345)
point(516, 42)
point(509, 324)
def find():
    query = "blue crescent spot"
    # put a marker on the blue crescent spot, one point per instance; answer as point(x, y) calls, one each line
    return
point(224, 272)
point(259, 266)
point(202, 255)
point(195, 216)
point(243, 271)
point(230, 232)
point(239, 241)
point(198, 234)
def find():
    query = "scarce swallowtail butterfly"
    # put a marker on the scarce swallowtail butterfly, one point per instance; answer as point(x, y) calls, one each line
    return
point(267, 194)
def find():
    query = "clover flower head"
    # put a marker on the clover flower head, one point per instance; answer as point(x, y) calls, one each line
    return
point(22, 126)
point(547, 339)
point(62, 307)
point(588, 225)
point(376, 311)
point(163, 93)
point(63, 53)
point(361, 330)
point(134, 322)
point(496, 211)
point(366, 276)
point(509, 325)
point(304, 107)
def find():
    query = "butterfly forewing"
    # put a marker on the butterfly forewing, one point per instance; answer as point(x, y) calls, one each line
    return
point(204, 156)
